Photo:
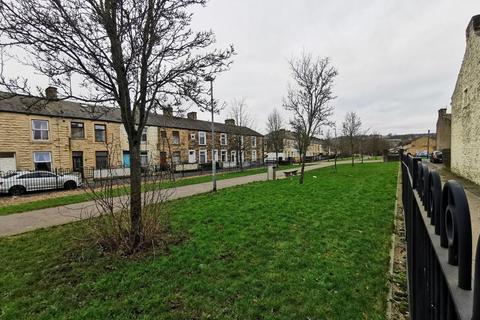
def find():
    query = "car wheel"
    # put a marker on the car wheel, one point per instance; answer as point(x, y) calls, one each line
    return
point(17, 190)
point(69, 185)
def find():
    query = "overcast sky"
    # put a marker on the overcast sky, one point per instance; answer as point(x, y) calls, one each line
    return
point(397, 60)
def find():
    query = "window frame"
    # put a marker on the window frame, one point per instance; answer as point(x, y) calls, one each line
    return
point(144, 134)
point(82, 126)
point(144, 158)
point(174, 140)
point(200, 134)
point(96, 160)
point(174, 157)
point(223, 152)
point(50, 162)
point(254, 139)
point(104, 131)
point(223, 139)
point(200, 152)
point(47, 130)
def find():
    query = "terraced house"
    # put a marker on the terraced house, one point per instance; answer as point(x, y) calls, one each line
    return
point(40, 134)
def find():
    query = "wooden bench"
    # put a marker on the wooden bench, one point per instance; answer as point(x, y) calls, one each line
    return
point(290, 173)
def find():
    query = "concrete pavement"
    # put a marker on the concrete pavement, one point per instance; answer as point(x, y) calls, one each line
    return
point(37, 219)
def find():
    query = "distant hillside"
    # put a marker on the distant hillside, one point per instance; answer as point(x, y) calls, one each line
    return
point(408, 137)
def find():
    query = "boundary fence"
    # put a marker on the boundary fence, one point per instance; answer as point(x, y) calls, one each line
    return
point(439, 246)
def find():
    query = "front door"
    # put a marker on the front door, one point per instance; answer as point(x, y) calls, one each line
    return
point(126, 159)
point(192, 156)
point(163, 158)
point(77, 159)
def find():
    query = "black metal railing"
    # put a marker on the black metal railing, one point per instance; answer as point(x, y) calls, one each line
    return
point(439, 246)
point(18, 182)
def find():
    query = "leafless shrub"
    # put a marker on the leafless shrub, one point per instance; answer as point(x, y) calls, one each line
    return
point(109, 223)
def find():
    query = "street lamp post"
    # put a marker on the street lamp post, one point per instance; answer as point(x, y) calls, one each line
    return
point(214, 163)
point(428, 143)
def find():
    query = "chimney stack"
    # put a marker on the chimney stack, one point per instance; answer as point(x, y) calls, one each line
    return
point(192, 115)
point(474, 26)
point(168, 111)
point(51, 93)
point(442, 112)
point(230, 122)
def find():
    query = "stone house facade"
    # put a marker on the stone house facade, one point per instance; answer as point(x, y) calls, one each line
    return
point(444, 127)
point(43, 141)
point(421, 145)
point(36, 135)
point(465, 132)
point(172, 140)
point(290, 150)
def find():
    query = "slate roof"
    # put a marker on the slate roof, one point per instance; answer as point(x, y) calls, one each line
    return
point(68, 109)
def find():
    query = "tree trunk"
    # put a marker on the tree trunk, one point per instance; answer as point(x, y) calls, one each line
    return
point(335, 161)
point(135, 195)
point(302, 172)
point(353, 155)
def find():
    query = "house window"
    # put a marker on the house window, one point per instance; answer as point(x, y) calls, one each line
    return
point(144, 158)
point(233, 156)
point(223, 139)
point(254, 141)
point(223, 155)
point(77, 130)
point(254, 155)
point(100, 133)
point(40, 130)
point(176, 157)
point(202, 156)
point(176, 137)
point(144, 135)
point(101, 159)
point(42, 160)
point(202, 138)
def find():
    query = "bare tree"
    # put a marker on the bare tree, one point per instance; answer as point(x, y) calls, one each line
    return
point(239, 114)
point(309, 99)
point(276, 132)
point(351, 130)
point(135, 55)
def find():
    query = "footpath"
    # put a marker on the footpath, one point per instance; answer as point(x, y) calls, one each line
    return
point(27, 221)
point(472, 191)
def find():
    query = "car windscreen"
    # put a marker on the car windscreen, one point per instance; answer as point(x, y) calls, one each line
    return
point(8, 175)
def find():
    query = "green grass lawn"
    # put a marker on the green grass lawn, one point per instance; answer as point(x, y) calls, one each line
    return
point(55, 201)
point(265, 250)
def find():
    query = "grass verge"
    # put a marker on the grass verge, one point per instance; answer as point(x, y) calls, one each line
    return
point(83, 196)
point(266, 250)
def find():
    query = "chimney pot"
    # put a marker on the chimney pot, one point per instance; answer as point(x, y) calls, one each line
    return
point(192, 115)
point(51, 93)
point(168, 111)
point(230, 122)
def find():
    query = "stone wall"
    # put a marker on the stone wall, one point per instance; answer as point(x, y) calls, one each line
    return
point(465, 141)
point(444, 126)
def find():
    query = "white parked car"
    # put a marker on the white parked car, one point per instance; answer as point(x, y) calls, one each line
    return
point(20, 182)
